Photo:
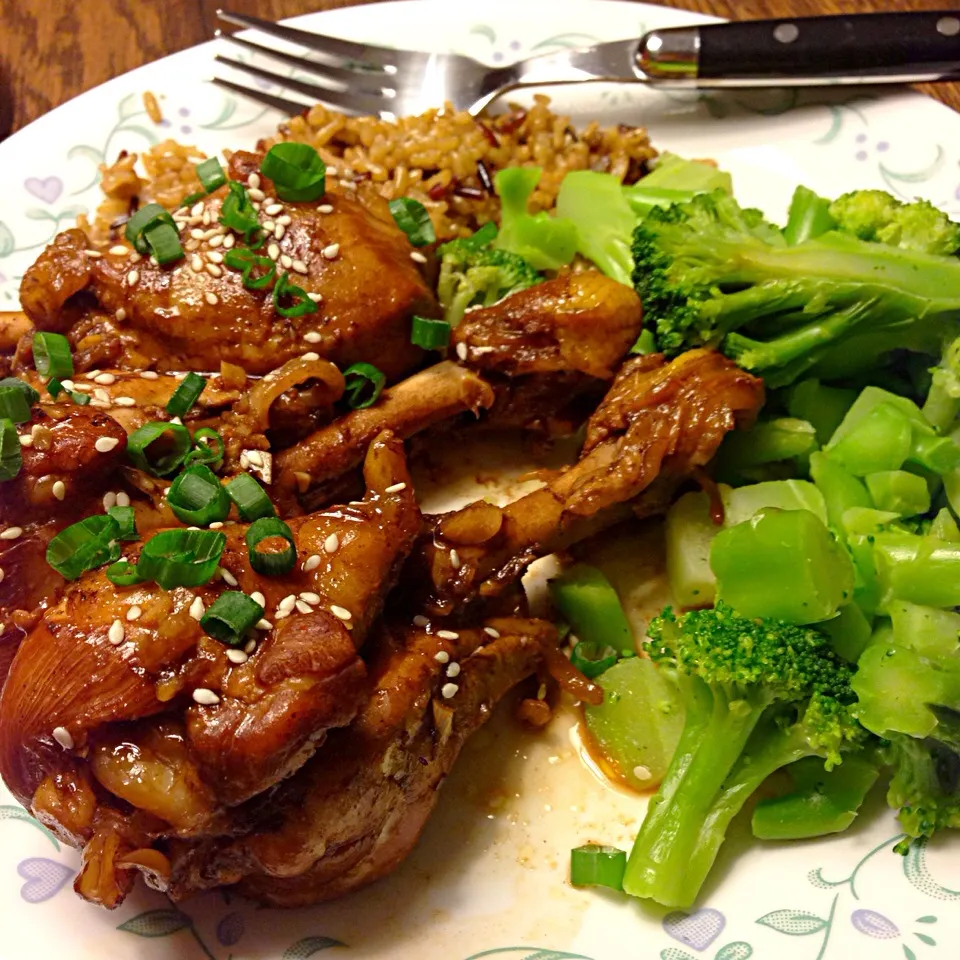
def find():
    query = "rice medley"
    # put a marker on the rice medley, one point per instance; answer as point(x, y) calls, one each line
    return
point(444, 158)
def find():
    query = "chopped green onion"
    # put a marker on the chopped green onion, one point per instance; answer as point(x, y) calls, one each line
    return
point(209, 453)
point(230, 616)
point(192, 199)
point(164, 242)
point(83, 546)
point(80, 399)
point(124, 574)
point(126, 521)
point(237, 212)
point(270, 563)
point(197, 497)
point(29, 393)
point(247, 261)
point(144, 218)
point(186, 395)
point(364, 384)
point(211, 174)
point(52, 356)
point(596, 865)
point(14, 404)
point(54, 387)
point(181, 558)
point(300, 302)
point(173, 448)
point(430, 334)
point(412, 218)
point(11, 458)
point(592, 658)
point(251, 499)
point(296, 170)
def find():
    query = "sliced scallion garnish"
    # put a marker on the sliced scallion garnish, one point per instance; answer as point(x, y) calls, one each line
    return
point(251, 499)
point(297, 171)
point(52, 356)
point(164, 242)
point(123, 573)
point(126, 521)
point(210, 174)
point(80, 399)
point(145, 217)
point(14, 404)
point(54, 387)
point(159, 448)
point(430, 334)
point(247, 262)
point(230, 617)
point(83, 546)
point(299, 302)
point(237, 211)
point(364, 384)
point(591, 658)
point(181, 558)
point(207, 449)
point(11, 457)
point(596, 865)
point(412, 218)
point(186, 395)
point(197, 497)
point(267, 532)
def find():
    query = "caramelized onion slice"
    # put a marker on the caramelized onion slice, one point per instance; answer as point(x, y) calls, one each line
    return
point(266, 391)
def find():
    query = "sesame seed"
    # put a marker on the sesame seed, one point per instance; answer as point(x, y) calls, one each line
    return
point(237, 656)
point(262, 624)
point(196, 233)
point(348, 185)
point(299, 266)
point(244, 461)
point(331, 251)
point(149, 374)
point(341, 612)
point(453, 670)
point(214, 270)
point(215, 241)
point(421, 621)
point(255, 193)
point(273, 251)
point(135, 257)
point(102, 394)
point(395, 488)
point(62, 736)
point(214, 257)
point(258, 597)
point(251, 644)
point(197, 608)
point(255, 457)
point(93, 254)
point(253, 181)
point(448, 635)
point(315, 297)
point(449, 690)
point(331, 544)
point(455, 559)
point(313, 337)
point(205, 219)
point(132, 277)
point(311, 356)
point(312, 598)
point(228, 578)
point(105, 379)
point(490, 632)
point(105, 444)
point(26, 440)
point(211, 298)
point(11, 533)
point(196, 263)
point(273, 209)
point(279, 231)
point(268, 226)
point(312, 562)
point(286, 260)
point(285, 220)
point(442, 656)
point(134, 613)
point(215, 525)
point(154, 261)
point(287, 604)
point(303, 606)
point(59, 489)
point(228, 241)
point(125, 401)
point(109, 500)
point(462, 351)
point(177, 420)
point(197, 209)
point(115, 633)
point(118, 250)
point(67, 384)
point(417, 257)
point(123, 499)
point(205, 697)
point(120, 315)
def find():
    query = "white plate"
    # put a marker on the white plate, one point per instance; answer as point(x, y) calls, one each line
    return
point(489, 878)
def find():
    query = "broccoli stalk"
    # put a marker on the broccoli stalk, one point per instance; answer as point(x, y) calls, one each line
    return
point(759, 695)
point(712, 273)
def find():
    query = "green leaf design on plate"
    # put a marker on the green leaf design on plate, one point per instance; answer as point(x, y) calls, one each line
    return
point(156, 923)
point(908, 953)
point(927, 919)
point(7, 242)
point(147, 135)
point(924, 938)
point(735, 951)
point(672, 953)
point(11, 812)
point(794, 923)
point(309, 946)
point(532, 953)
point(484, 30)
point(130, 106)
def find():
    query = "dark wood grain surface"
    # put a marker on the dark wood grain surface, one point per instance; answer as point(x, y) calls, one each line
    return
point(51, 51)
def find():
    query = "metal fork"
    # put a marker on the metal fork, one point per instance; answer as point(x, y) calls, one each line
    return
point(360, 78)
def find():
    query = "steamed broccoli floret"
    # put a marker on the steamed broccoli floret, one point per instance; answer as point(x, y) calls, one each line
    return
point(759, 694)
point(925, 786)
point(881, 217)
point(712, 273)
point(474, 273)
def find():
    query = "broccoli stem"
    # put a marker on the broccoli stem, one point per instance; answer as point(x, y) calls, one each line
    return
point(809, 216)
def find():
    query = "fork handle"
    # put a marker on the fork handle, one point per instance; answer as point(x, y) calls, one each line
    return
point(870, 48)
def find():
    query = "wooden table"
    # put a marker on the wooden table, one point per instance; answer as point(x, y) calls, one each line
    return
point(50, 52)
